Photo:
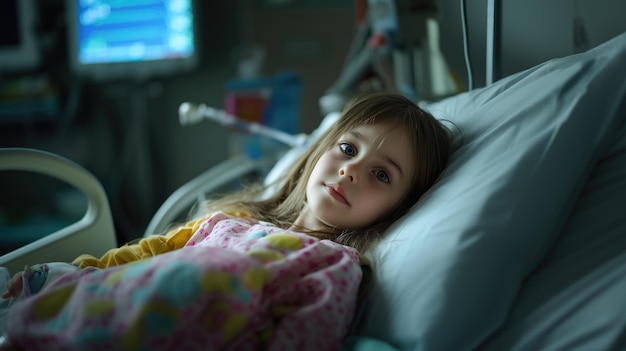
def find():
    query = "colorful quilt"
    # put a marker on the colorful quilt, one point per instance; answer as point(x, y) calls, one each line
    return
point(285, 291)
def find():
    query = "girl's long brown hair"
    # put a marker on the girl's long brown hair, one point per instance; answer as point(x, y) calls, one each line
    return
point(430, 145)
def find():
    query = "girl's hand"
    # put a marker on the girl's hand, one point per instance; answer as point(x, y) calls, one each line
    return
point(14, 286)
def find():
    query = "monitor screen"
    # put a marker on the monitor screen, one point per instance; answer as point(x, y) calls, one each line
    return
point(127, 39)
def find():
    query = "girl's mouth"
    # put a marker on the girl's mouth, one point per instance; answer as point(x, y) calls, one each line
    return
point(337, 193)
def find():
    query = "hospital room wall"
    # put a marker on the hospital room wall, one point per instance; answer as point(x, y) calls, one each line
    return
point(532, 31)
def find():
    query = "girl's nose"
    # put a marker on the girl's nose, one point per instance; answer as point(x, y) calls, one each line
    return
point(350, 172)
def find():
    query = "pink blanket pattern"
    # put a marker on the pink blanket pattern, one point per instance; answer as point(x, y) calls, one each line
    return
point(283, 291)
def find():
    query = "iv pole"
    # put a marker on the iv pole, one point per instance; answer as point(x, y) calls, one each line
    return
point(492, 71)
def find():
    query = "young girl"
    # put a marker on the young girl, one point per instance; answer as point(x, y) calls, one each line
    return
point(258, 272)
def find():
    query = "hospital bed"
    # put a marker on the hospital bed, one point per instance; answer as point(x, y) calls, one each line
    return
point(520, 244)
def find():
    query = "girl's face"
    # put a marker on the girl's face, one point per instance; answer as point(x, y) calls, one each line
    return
point(360, 179)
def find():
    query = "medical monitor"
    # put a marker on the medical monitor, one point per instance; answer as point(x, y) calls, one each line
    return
point(131, 39)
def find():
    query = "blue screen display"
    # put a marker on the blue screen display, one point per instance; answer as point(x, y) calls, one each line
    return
point(117, 31)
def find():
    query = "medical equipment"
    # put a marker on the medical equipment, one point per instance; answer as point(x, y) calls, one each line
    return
point(132, 39)
point(190, 113)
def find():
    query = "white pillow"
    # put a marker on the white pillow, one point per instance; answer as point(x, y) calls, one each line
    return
point(447, 273)
point(577, 297)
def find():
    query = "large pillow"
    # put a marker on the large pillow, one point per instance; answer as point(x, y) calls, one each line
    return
point(447, 273)
point(575, 301)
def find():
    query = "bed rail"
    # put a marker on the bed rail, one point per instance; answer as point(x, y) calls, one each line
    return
point(94, 233)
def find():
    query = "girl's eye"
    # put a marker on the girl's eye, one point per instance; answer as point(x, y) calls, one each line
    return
point(347, 149)
point(382, 176)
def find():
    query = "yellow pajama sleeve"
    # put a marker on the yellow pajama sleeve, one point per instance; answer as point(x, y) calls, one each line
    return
point(146, 247)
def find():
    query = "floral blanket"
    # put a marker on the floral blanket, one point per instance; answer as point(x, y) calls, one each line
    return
point(286, 291)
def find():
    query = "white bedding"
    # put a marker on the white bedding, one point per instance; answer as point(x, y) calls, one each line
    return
point(577, 299)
